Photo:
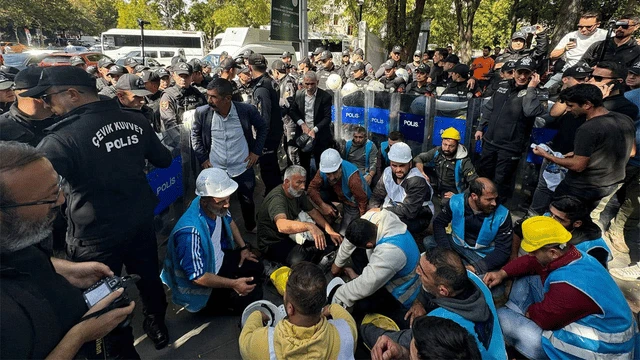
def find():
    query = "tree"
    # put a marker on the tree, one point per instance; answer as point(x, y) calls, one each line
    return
point(465, 13)
point(200, 16)
point(130, 12)
point(243, 13)
point(172, 13)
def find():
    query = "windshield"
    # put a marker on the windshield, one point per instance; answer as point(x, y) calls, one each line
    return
point(214, 59)
point(15, 59)
point(118, 41)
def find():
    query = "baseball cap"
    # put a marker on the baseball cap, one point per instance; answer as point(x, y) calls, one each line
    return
point(318, 50)
point(77, 60)
point(149, 75)
point(346, 52)
point(183, 68)
point(196, 66)
point(140, 68)
point(162, 73)
point(5, 82)
point(635, 68)
point(117, 70)
point(578, 71)
point(519, 35)
point(396, 49)
point(526, 63)
point(417, 53)
point(132, 83)
point(92, 70)
point(279, 65)
point(452, 58)
point(131, 62)
point(247, 53)
point(358, 65)
point(176, 60)
point(389, 64)
point(326, 55)
point(423, 68)
point(28, 78)
point(285, 54)
point(508, 66)
point(105, 62)
point(244, 70)
point(359, 52)
point(60, 76)
point(228, 64)
point(257, 59)
point(461, 69)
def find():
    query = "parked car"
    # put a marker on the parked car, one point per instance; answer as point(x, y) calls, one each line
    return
point(64, 59)
point(7, 47)
point(22, 60)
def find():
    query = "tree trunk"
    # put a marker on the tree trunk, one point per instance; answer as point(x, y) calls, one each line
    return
point(392, 22)
point(568, 15)
point(514, 17)
point(414, 29)
point(465, 13)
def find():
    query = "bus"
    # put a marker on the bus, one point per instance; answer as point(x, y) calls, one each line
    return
point(159, 44)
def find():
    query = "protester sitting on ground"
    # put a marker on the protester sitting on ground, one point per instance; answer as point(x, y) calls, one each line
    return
point(481, 231)
point(384, 257)
point(433, 338)
point(449, 165)
point(287, 211)
point(403, 190)
point(539, 322)
point(203, 267)
point(311, 330)
point(340, 181)
point(383, 156)
point(449, 291)
point(362, 153)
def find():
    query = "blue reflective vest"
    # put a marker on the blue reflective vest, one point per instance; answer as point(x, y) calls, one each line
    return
point(612, 334)
point(367, 151)
point(383, 150)
point(589, 245)
point(347, 170)
point(183, 291)
point(457, 171)
point(405, 284)
point(488, 231)
point(495, 349)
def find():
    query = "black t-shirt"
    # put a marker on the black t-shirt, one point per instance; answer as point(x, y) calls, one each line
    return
point(622, 105)
point(607, 140)
point(567, 125)
point(38, 306)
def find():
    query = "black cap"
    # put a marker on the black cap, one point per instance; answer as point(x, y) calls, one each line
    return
point(9, 71)
point(244, 70)
point(228, 64)
point(346, 52)
point(318, 50)
point(417, 53)
point(519, 35)
point(92, 70)
point(424, 68)
point(162, 73)
point(60, 76)
point(77, 60)
point(508, 66)
point(578, 71)
point(131, 62)
point(285, 54)
point(358, 65)
point(105, 62)
point(196, 66)
point(279, 65)
point(117, 70)
point(460, 69)
point(247, 53)
point(359, 52)
point(132, 83)
point(396, 49)
point(28, 78)
point(140, 68)
point(635, 68)
point(326, 55)
point(150, 75)
point(176, 60)
point(5, 82)
point(182, 68)
point(389, 64)
point(257, 59)
point(454, 59)
point(526, 63)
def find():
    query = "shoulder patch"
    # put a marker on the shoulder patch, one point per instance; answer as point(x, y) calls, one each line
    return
point(164, 105)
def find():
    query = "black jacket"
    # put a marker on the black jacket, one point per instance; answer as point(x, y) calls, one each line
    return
point(17, 126)
point(394, 84)
point(175, 101)
point(510, 113)
point(626, 54)
point(248, 115)
point(266, 99)
point(101, 150)
point(321, 114)
point(537, 53)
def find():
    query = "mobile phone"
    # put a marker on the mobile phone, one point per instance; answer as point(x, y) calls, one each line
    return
point(572, 39)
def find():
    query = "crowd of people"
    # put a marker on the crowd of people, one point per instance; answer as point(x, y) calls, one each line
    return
point(435, 263)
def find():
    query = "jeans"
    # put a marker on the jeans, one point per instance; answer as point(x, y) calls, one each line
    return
point(627, 221)
point(500, 166)
point(519, 331)
point(246, 184)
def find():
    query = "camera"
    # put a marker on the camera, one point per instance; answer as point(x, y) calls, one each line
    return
point(106, 286)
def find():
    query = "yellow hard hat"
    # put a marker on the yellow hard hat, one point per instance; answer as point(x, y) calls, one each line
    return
point(451, 133)
point(539, 231)
point(279, 279)
point(381, 321)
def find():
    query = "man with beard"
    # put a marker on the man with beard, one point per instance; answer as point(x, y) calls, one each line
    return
point(204, 268)
point(623, 48)
point(362, 153)
point(339, 180)
point(290, 229)
point(481, 230)
point(41, 302)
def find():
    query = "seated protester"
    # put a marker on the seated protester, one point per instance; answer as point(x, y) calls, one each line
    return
point(449, 291)
point(203, 268)
point(339, 180)
point(457, 86)
point(480, 228)
point(433, 338)
point(449, 163)
point(287, 211)
point(310, 330)
point(362, 153)
point(383, 160)
point(571, 213)
point(403, 190)
point(384, 256)
point(540, 322)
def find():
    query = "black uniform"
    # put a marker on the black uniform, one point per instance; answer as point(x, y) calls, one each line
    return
point(245, 92)
point(438, 75)
point(411, 68)
point(363, 81)
point(460, 89)
point(17, 126)
point(537, 53)
point(101, 152)
point(4, 107)
point(415, 89)
point(323, 75)
point(176, 101)
point(394, 83)
point(153, 102)
point(108, 91)
point(266, 99)
point(287, 88)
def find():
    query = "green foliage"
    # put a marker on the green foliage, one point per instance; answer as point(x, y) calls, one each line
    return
point(492, 25)
point(129, 13)
point(243, 13)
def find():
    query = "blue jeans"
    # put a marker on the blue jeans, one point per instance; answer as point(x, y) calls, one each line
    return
point(519, 331)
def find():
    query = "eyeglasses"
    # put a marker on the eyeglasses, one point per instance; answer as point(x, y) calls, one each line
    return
point(600, 78)
point(40, 202)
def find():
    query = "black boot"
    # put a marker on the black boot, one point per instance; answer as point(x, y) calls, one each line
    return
point(156, 330)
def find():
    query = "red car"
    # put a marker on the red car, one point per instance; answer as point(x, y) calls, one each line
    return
point(64, 59)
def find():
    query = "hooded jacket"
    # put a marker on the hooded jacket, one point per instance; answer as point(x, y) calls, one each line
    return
point(447, 179)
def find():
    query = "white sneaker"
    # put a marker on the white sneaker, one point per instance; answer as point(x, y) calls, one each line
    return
point(629, 273)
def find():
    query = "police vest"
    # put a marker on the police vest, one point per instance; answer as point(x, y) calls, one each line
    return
point(183, 291)
point(347, 342)
point(367, 152)
point(457, 171)
point(395, 192)
point(494, 349)
point(488, 231)
point(612, 334)
point(348, 169)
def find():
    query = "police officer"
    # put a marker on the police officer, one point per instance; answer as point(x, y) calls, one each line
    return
point(412, 66)
point(390, 80)
point(458, 85)
point(113, 75)
point(130, 64)
point(179, 98)
point(131, 93)
point(315, 55)
point(326, 68)
point(346, 63)
point(287, 87)
point(358, 55)
point(395, 56)
point(104, 65)
point(286, 59)
point(7, 96)
point(165, 78)
point(266, 99)
point(198, 77)
point(228, 70)
point(152, 84)
point(110, 213)
point(420, 85)
point(359, 74)
point(243, 82)
point(78, 61)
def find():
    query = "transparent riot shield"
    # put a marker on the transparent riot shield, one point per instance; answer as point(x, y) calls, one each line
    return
point(414, 120)
point(451, 111)
point(378, 120)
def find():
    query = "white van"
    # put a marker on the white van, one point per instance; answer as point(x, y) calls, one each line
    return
point(238, 40)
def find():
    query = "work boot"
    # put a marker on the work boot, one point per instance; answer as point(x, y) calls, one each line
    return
point(156, 330)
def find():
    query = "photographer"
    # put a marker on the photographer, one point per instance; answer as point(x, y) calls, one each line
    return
point(41, 305)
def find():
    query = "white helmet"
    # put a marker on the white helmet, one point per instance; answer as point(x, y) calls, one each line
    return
point(375, 85)
point(216, 183)
point(403, 73)
point(330, 161)
point(334, 82)
point(400, 153)
point(275, 313)
point(348, 89)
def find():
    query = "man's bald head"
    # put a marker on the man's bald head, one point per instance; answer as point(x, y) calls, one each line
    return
point(482, 185)
point(484, 194)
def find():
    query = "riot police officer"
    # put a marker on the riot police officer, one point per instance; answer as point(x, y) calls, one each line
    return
point(113, 75)
point(420, 85)
point(228, 70)
point(179, 98)
point(390, 80)
point(327, 68)
point(359, 75)
point(244, 84)
point(287, 87)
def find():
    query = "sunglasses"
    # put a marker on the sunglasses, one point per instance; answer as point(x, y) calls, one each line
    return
point(623, 24)
point(40, 202)
point(600, 78)
point(46, 98)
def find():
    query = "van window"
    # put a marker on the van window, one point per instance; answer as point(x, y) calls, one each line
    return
point(167, 54)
